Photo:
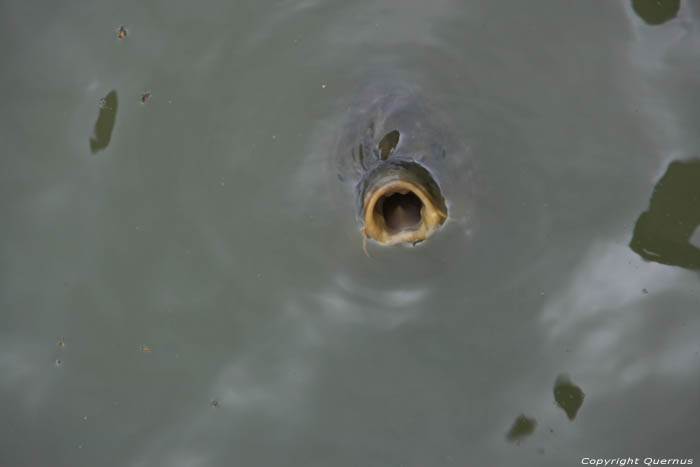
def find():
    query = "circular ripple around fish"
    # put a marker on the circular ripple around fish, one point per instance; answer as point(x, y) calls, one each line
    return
point(497, 228)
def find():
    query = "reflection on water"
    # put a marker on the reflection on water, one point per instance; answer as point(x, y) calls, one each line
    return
point(522, 428)
point(663, 233)
point(568, 396)
point(274, 340)
point(102, 133)
point(656, 12)
point(349, 301)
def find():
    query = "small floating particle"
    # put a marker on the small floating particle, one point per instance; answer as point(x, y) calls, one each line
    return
point(145, 348)
point(645, 291)
point(61, 343)
point(145, 96)
point(122, 32)
point(323, 86)
point(58, 363)
point(214, 403)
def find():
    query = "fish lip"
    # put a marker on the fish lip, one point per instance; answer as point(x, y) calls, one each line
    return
point(432, 216)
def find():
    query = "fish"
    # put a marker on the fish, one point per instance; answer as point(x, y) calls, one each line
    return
point(401, 162)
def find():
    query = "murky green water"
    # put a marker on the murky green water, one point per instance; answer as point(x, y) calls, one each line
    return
point(182, 280)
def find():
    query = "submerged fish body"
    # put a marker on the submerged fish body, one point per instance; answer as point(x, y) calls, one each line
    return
point(402, 165)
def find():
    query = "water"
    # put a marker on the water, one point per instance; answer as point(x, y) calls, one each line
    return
point(195, 292)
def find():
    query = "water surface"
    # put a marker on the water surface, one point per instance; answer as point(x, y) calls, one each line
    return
point(195, 291)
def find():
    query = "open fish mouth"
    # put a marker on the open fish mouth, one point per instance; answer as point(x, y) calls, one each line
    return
point(401, 203)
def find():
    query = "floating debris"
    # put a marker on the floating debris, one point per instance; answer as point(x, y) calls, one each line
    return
point(522, 428)
point(664, 232)
point(122, 32)
point(61, 343)
point(145, 348)
point(145, 96)
point(645, 291)
point(655, 12)
point(214, 403)
point(58, 363)
point(102, 133)
point(568, 396)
